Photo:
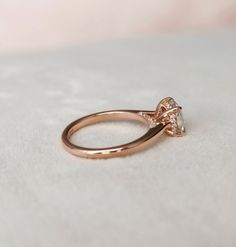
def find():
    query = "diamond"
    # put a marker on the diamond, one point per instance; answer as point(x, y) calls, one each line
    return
point(170, 104)
point(176, 118)
point(177, 123)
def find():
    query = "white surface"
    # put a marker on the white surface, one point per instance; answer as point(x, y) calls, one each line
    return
point(180, 192)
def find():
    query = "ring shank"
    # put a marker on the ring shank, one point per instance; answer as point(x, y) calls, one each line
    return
point(108, 152)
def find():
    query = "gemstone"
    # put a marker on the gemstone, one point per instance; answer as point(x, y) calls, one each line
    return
point(170, 104)
point(177, 121)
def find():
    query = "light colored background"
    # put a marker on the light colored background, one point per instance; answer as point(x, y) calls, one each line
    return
point(30, 25)
point(57, 64)
point(180, 192)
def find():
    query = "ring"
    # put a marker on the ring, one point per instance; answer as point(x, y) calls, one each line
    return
point(167, 118)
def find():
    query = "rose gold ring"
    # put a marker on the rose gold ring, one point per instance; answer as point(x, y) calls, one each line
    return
point(167, 118)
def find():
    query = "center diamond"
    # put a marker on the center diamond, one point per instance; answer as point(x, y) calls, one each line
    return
point(177, 123)
point(175, 117)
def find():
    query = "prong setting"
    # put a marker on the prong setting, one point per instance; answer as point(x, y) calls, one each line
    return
point(170, 113)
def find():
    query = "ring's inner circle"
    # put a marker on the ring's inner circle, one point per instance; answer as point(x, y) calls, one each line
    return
point(108, 133)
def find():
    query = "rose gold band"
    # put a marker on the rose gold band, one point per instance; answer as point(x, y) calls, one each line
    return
point(157, 121)
point(111, 151)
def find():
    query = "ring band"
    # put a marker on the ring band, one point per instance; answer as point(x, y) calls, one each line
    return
point(167, 118)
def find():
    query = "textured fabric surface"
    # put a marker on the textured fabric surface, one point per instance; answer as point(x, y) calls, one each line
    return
point(179, 192)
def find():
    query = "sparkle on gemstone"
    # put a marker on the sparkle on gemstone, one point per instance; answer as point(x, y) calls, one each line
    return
point(176, 119)
point(177, 123)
